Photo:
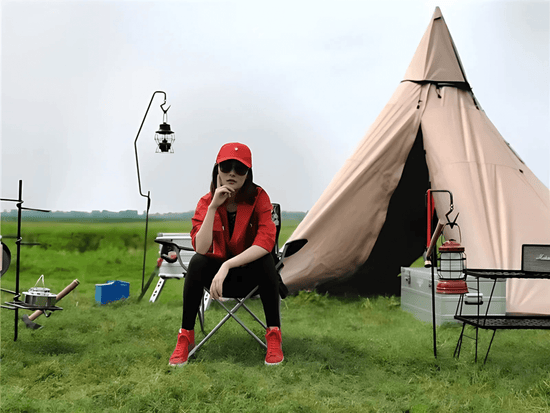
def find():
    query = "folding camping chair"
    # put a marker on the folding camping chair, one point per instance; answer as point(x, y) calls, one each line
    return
point(279, 257)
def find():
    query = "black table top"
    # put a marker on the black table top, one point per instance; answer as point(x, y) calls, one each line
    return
point(490, 273)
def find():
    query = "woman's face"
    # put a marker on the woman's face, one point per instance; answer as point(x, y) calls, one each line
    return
point(232, 176)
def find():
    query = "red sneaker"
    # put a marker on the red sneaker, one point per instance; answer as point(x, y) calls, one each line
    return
point(186, 342)
point(274, 354)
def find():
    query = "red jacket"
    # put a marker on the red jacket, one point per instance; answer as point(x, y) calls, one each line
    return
point(253, 226)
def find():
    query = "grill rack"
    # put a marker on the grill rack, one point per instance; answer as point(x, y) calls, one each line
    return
point(13, 305)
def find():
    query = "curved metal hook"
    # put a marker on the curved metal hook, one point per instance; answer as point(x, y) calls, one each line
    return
point(165, 110)
point(165, 114)
point(451, 207)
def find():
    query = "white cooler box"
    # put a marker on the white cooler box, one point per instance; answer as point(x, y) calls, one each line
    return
point(416, 296)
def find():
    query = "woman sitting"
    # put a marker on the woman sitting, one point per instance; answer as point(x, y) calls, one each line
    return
point(233, 235)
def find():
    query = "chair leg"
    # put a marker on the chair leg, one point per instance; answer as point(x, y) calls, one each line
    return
point(205, 304)
point(254, 316)
point(204, 340)
point(201, 315)
point(231, 314)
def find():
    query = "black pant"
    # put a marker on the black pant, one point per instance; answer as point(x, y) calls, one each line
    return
point(238, 283)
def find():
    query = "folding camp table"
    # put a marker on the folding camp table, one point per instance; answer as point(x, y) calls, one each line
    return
point(531, 269)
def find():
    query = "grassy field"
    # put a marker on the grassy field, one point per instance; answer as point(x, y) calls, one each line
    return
point(341, 354)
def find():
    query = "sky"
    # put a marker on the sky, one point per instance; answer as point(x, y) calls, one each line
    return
point(299, 81)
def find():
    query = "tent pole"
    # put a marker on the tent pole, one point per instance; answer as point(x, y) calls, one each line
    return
point(434, 262)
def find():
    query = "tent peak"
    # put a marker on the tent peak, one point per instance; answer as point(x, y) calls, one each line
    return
point(436, 58)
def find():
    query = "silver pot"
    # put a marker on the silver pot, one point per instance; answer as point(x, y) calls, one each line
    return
point(40, 297)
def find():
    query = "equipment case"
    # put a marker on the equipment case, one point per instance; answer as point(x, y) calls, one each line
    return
point(416, 296)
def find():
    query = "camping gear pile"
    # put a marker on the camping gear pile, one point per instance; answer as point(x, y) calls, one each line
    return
point(39, 299)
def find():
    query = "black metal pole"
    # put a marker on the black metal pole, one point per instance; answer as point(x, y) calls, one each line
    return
point(18, 259)
point(145, 242)
point(139, 185)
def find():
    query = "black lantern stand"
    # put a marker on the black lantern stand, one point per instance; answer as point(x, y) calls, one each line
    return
point(164, 138)
point(431, 253)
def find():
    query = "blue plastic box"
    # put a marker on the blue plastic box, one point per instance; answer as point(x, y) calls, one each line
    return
point(111, 291)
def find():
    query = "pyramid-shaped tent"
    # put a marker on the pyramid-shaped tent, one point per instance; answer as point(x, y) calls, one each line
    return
point(371, 219)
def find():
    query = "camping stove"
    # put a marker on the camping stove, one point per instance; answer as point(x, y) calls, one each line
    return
point(40, 296)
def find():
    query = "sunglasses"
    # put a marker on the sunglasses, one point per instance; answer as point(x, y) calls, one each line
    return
point(233, 165)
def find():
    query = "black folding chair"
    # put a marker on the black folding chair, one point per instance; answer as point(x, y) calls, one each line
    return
point(279, 257)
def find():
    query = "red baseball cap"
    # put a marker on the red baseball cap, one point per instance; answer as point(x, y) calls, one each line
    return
point(235, 150)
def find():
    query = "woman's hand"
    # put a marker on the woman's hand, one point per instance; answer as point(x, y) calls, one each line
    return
point(222, 193)
point(216, 288)
point(247, 256)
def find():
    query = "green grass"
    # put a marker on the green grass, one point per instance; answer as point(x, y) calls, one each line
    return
point(341, 355)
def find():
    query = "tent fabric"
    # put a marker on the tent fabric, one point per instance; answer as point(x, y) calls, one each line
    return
point(501, 203)
point(436, 58)
point(344, 209)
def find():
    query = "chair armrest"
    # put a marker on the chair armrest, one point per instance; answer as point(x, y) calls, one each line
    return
point(177, 249)
point(290, 248)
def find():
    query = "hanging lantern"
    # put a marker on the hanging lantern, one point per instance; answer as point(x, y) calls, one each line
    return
point(165, 138)
point(452, 262)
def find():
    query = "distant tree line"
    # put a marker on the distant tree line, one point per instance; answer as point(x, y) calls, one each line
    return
point(129, 215)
